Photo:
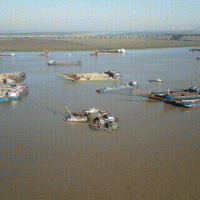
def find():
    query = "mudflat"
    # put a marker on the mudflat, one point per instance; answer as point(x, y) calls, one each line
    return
point(23, 44)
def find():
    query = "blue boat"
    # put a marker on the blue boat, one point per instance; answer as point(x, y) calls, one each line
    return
point(121, 87)
point(187, 103)
point(4, 98)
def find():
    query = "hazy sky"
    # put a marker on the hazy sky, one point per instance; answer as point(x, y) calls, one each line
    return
point(99, 15)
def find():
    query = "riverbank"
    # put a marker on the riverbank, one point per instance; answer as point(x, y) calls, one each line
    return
point(26, 44)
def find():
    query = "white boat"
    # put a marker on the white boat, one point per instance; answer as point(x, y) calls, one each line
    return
point(14, 94)
point(93, 112)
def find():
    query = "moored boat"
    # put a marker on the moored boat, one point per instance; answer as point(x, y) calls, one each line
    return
point(7, 55)
point(107, 75)
point(186, 103)
point(108, 52)
point(14, 94)
point(155, 80)
point(133, 84)
point(78, 63)
point(4, 97)
point(74, 117)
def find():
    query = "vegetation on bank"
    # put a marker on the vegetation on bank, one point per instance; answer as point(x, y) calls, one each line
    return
point(87, 44)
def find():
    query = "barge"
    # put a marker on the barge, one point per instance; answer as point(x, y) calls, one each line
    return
point(7, 55)
point(78, 63)
point(108, 52)
point(186, 103)
point(155, 80)
point(133, 84)
point(107, 75)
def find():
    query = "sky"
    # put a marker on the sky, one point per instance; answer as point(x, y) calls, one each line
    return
point(98, 15)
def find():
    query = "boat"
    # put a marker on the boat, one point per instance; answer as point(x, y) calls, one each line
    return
point(133, 84)
point(186, 103)
point(193, 50)
point(43, 54)
point(12, 78)
point(74, 117)
point(4, 97)
point(105, 124)
point(107, 75)
point(7, 55)
point(108, 52)
point(155, 80)
point(14, 94)
point(93, 112)
point(78, 63)
point(190, 94)
point(198, 58)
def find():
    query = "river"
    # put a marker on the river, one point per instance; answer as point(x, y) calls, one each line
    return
point(154, 154)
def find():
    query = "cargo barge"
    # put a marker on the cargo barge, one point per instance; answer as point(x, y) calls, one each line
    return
point(186, 103)
point(107, 75)
point(155, 80)
point(130, 85)
point(7, 55)
point(108, 52)
point(78, 63)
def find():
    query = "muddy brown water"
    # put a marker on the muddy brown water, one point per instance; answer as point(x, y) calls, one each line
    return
point(154, 154)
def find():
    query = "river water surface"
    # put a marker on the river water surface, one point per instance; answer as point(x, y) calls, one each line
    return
point(154, 154)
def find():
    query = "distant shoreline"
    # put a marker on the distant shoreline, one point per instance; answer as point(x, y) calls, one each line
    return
point(27, 44)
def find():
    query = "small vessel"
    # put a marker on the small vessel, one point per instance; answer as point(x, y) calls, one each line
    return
point(155, 80)
point(78, 63)
point(193, 50)
point(74, 117)
point(43, 54)
point(107, 75)
point(133, 84)
point(108, 52)
point(7, 55)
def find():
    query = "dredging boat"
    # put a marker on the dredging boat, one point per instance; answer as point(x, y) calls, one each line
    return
point(74, 117)
point(133, 84)
point(108, 52)
point(78, 63)
point(107, 75)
